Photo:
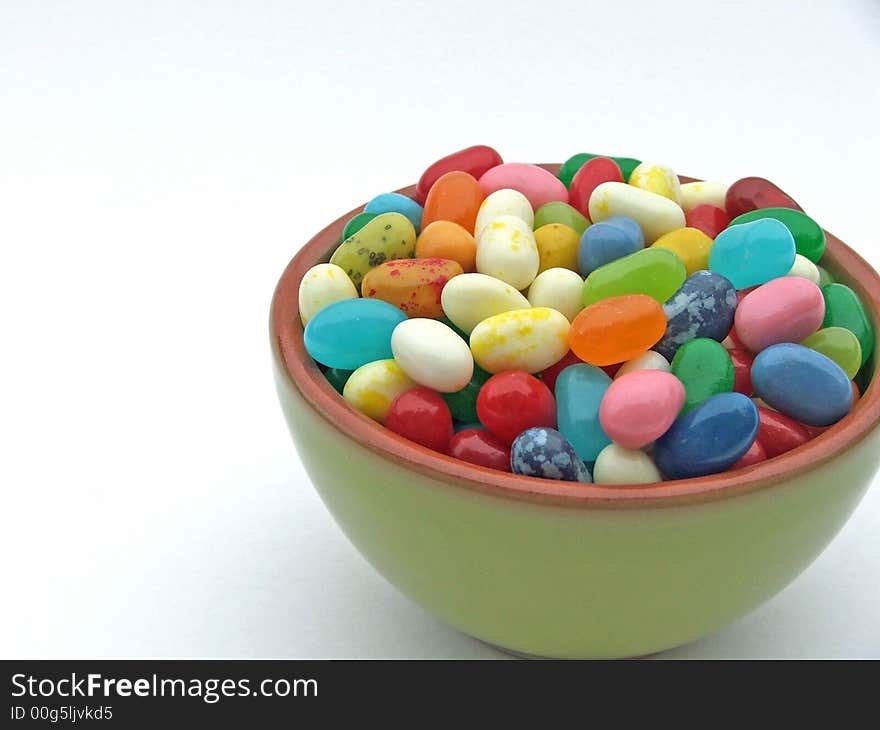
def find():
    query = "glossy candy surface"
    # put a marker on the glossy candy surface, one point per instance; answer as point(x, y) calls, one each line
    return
point(420, 415)
point(608, 241)
point(513, 401)
point(558, 212)
point(655, 214)
point(558, 246)
point(742, 370)
point(337, 378)
point(778, 433)
point(839, 344)
point(787, 309)
point(559, 289)
point(456, 197)
point(593, 173)
point(474, 160)
point(412, 285)
point(655, 272)
point(618, 465)
point(705, 369)
point(844, 309)
point(506, 250)
point(691, 245)
point(322, 285)
point(432, 354)
point(579, 393)
point(523, 339)
point(386, 237)
point(709, 219)
point(639, 407)
point(809, 238)
point(463, 403)
point(545, 453)
point(755, 455)
point(468, 299)
point(752, 193)
point(480, 447)
point(448, 240)
point(753, 253)
point(617, 329)
point(373, 387)
point(396, 203)
point(537, 184)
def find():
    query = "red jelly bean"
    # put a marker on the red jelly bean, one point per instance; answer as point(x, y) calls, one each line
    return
point(755, 455)
point(421, 415)
point(480, 447)
point(548, 376)
point(511, 402)
point(472, 160)
point(710, 219)
point(593, 173)
point(752, 193)
point(778, 433)
point(742, 370)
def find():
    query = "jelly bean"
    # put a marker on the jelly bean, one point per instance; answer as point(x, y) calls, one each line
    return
point(705, 369)
point(386, 237)
point(397, 203)
point(691, 245)
point(647, 361)
point(455, 197)
point(618, 465)
point(608, 241)
point(536, 183)
point(420, 415)
point(337, 378)
point(703, 192)
point(463, 403)
point(558, 212)
point(373, 387)
point(709, 219)
point(523, 339)
point(802, 383)
point(593, 173)
point(412, 285)
point(432, 354)
point(704, 306)
point(658, 179)
point(753, 253)
point(809, 238)
point(783, 310)
point(805, 269)
point(356, 223)
point(839, 344)
point(752, 193)
point(843, 308)
point(506, 249)
point(652, 271)
point(640, 407)
point(480, 447)
point(352, 333)
point(579, 393)
point(617, 329)
point(474, 160)
point(448, 240)
point(559, 289)
point(322, 285)
point(513, 401)
point(546, 453)
point(825, 276)
point(557, 247)
point(503, 202)
point(755, 455)
point(470, 298)
point(655, 214)
point(549, 376)
point(709, 439)
point(778, 433)
point(574, 163)
point(742, 370)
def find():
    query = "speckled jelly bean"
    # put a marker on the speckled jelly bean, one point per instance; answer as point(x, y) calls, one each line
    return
point(608, 241)
point(657, 179)
point(456, 197)
point(546, 453)
point(753, 253)
point(559, 289)
point(470, 298)
point(752, 193)
point(480, 447)
point(655, 214)
point(474, 160)
point(558, 212)
point(386, 237)
point(321, 286)
point(703, 192)
point(523, 339)
point(352, 333)
point(788, 309)
point(618, 465)
point(420, 415)
point(649, 360)
point(805, 269)
point(373, 387)
point(337, 378)
point(579, 393)
point(655, 272)
point(843, 308)
point(839, 344)
point(778, 433)
point(513, 401)
point(557, 247)
point(574, 163)
point(448, 240)
point(506, 250)
point(709, 439)
point(705, 369)
point(432, 355)
point(537, 184)
point(809, 238)
point(463, 403)
point(412, 285)
point(639, 407)
point(397, 203)
point(709, 219)
point(592, 174)
point(704, 306)
point(356, 223)
point(691, 245)
point(504, 202)
point(802, 383)
point(617, 329)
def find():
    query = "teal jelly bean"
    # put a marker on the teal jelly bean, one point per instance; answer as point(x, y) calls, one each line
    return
point(753, 253)
point(338, 378)
point(579, 392)
point(809, 238)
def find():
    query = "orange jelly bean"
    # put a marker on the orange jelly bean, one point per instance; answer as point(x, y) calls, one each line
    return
point(456, 197)
point(448, 240)
point(617, 329)
point(412, 285)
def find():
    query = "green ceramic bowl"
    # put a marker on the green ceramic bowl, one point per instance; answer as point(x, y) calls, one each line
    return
point(564, 570)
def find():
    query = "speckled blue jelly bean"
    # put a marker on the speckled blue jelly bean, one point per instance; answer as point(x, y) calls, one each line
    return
point(546, 453)
point(608, 241)
point(709, 439)
point(397, 203)
point(802, 383)
point(703, 307)
point(753, 253)
point(579, 392)
point(352, 333)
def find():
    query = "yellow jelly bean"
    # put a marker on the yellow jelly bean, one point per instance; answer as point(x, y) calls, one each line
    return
point(691, 245)
point(524, 339)
point(321, 286)
point(372, 387)
point(506, 249)
point(557, 247)
point(657, 179)
point(468, 299)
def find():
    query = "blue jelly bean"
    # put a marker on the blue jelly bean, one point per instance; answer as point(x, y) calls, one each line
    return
point(397, 203)
point(352, 332)
point(579, 391)
point(709, 439)
point(608, 241)
point(753, 253)
point(802, 383)
point(544, 452)
point(703, 307)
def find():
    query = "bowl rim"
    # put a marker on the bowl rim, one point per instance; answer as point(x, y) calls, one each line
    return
point(303, 373)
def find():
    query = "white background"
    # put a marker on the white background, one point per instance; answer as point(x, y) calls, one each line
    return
point(159, 165)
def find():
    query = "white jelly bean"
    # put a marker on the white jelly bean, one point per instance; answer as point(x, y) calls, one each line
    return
point(617, 465)
point(655, 214)
point(432, 354)
point(372, 387)
point(468, 299)
point(648, 361)
point(559, 289)
point(506, 249)
point(524, 339)
point(504, 202)
point(804, 268)
point(658, 179)
point(710, 192)
point(321, 286)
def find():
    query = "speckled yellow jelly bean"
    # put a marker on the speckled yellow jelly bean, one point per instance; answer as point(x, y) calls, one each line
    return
point(321, 286)
point(506, 249)
point(655, 214)
point(525, 339)
point(658, 179)
point(503, 202)
point(691, 245)
point(372, 387)
point(388, 236)
point(709, 192)
point(557, 247)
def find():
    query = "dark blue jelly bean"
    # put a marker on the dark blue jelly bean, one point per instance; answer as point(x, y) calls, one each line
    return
point(608, 241)
point(544, 452)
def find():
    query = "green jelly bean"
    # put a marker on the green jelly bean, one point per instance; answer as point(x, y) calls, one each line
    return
point(838, 344)
point(843, 308)
point(576, 162)
point(388, 236)
point(704, 368)
point(809, 238)
point(463, 403)
point(627, 165)
point(657, 272)
point(825, 276)
point(558, 212)
point(356, 223)
point(338, 378)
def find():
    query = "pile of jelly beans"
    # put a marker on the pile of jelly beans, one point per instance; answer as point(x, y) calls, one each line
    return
point(605, 324)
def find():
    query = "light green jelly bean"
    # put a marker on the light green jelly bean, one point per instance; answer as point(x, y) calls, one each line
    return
point(657, 272)
point(843, 308)
point(388, 236)
point(558, 212)
point(838, 344)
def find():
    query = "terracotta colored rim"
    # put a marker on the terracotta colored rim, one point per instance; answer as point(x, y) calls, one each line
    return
point(287, 342)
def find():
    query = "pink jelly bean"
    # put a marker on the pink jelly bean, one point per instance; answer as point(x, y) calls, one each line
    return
point(787, 309)
point(640, 406)
point(538, 185)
